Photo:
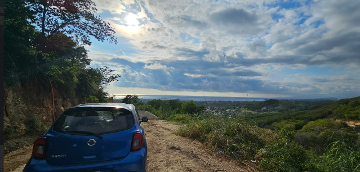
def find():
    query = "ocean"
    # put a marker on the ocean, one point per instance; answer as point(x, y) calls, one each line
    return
point(199, 98)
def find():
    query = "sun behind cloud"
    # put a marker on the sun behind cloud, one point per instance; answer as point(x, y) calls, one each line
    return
point(132, 23)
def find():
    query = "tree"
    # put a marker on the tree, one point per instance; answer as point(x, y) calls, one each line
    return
point(189, 107)
point(71, 17)
point(53, 52)
point(108, 76)
point(200, 108)
point(19, 55)
point(132, 99)
point(156, 103)
point(175, 104)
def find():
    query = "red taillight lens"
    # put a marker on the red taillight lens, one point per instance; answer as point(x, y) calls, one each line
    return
point(136, 141)
point(39, 148)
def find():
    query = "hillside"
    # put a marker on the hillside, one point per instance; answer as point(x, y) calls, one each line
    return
point(315, 137)
point(345, 110)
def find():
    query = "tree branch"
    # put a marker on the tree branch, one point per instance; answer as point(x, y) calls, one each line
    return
point(58, 28)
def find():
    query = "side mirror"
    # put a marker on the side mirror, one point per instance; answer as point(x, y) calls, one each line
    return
point(144, 119)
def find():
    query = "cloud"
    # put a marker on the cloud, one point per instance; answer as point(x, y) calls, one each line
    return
point(235, 46)
point(119, 52)
point(184, 21)
point(156, 66)
point(187, 52)
point(236, 21)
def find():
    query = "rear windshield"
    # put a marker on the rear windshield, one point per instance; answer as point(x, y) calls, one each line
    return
point(99, 121)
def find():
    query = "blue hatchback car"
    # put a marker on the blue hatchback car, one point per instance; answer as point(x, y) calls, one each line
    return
point(104, 137)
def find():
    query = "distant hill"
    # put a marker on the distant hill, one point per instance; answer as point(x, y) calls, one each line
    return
point(344, 109)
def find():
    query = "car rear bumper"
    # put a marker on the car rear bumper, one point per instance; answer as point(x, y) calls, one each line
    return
point(135, 161)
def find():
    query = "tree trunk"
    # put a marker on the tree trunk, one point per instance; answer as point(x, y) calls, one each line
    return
point(43, 19)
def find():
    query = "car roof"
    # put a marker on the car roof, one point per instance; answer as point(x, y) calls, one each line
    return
point(129, 107)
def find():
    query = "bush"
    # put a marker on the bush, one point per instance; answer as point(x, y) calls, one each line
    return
point(298, 124)
point(232, 137)
point(180, 118)
point(34, 126)
point(323, 124)
point(93, 99)
point(146, 108)
point(284, 156)
point(198, 130)
point(340, 157)
point(320, 143)
point(9, 130)
point(189, 107)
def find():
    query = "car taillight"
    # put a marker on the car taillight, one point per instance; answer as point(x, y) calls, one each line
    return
point(39, 148)
point(136, 141)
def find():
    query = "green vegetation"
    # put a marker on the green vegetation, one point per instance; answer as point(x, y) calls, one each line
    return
point(233, 137)
point(44, 51)
point(169, 109)
point(44, 47)
point(132, 99)
point(33, 125)
point(311, 138)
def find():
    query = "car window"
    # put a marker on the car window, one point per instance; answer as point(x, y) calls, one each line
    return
point(95, 120)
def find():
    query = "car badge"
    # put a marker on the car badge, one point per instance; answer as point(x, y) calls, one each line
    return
point(91, 142)
point(58, 156)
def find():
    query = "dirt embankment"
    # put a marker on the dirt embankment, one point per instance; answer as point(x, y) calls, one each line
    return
point(28, 109)
point(166, 152)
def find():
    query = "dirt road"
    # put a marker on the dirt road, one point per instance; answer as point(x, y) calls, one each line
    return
point(166, 152)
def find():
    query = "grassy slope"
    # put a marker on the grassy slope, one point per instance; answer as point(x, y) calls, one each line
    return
point(307, 140)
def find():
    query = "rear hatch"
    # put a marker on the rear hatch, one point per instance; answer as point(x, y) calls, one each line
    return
point(88, 135)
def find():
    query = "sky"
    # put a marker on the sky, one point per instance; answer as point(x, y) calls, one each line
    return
point(247, 48)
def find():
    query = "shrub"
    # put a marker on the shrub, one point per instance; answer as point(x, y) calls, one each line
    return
point(284, 156)
point(340, 157)
point(145, 107)
point(199, 130)
point(93, 99)
point(320, 143)
point(9, 130)
point(34, 126)
point(298, 124)
point(323, 124)
point(181, 118)
point(232, 137)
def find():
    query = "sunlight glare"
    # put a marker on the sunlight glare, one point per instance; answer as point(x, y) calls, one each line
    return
point(132, 22)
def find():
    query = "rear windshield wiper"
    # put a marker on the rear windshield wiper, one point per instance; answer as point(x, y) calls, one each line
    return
point(85, 132)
